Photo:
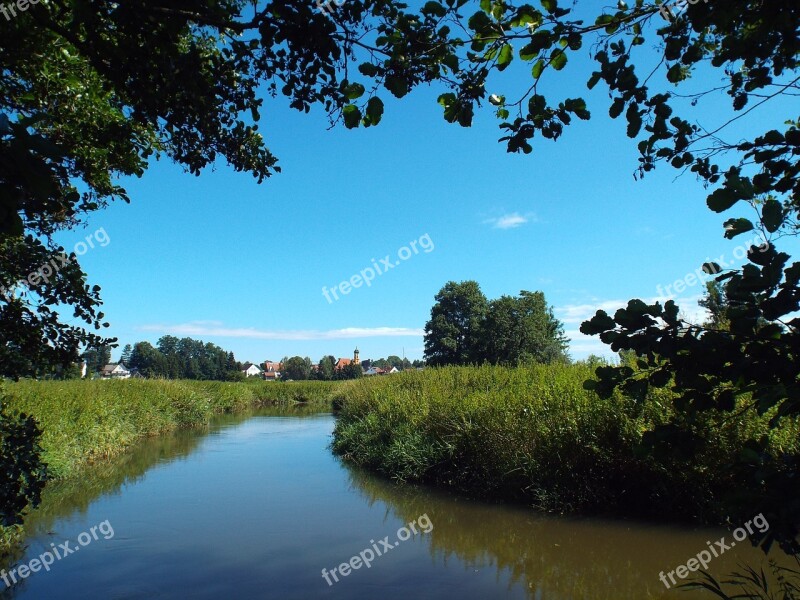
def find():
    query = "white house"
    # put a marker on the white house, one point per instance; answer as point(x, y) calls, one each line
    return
point(378, 371)
point(251, 370)
point(118, 371)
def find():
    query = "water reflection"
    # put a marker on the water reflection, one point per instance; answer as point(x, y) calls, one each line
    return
point(69, 497)
point(255, 506)
point(552, 557)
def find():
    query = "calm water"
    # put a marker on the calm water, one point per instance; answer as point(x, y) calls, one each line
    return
point(257, 506)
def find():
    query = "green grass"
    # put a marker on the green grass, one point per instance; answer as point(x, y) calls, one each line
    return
point(84, 421)
point(534, 435)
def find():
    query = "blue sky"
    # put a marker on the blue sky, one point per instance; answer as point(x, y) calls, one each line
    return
point(223, 259)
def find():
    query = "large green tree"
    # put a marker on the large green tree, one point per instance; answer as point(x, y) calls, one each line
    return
point(96, 358)
point(296, 368)
point(519, 329)
point(326, 370)
point(452, 333)
point(148, 360)
point(125, 357)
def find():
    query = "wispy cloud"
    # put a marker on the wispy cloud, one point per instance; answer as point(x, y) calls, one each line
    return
point(211, 328)
point(578, 313)
point(510, 220)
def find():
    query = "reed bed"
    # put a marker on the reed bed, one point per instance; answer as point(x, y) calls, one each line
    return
point(533, 434)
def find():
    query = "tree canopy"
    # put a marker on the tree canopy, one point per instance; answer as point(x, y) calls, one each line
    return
point(452, 336)
point(184, 358)
point(465, 328)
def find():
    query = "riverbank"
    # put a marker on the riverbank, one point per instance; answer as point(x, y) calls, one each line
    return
point(534, 435)
point(84, 422)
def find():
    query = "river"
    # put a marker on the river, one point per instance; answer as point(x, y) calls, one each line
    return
point(256, 506)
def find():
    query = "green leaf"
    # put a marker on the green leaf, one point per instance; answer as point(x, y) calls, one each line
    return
point(354, 91)
point(374, 110)
point(505, 58)
point(529, 51)
point(537, 105)
point(772, 215)
point(578, 107)
point(550, 5)
point(479, 22)
point(676, 73)
point(721, 200)
point(559, 61)
point(603, 20)
point(599, 323)
point(527, 15)
point(368, 69)
point(734, 227)
point(434, 8)
point(634, 120)
point(398, 86)
point(616, 108)
point(352, 116)
point(537, 69)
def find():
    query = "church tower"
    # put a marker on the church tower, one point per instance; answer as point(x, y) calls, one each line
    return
point(356, 360)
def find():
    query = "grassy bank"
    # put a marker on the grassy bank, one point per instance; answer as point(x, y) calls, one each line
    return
point(534, 435)
point(87, 421)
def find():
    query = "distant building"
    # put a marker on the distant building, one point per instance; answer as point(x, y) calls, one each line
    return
point(343, 362)
point(251, 370)
point(272, 370)
point(112, 371)
point(378, 371)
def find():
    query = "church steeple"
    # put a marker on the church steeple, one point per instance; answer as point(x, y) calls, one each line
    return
point(356, 360)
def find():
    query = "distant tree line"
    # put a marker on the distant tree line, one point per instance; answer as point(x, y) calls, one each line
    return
point(298, 368)
point(185, 358)
point(466, 328)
